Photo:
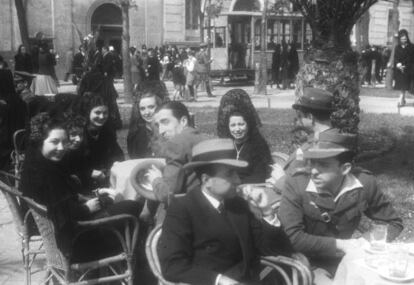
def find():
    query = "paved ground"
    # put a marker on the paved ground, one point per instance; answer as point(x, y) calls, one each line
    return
point(11, 269)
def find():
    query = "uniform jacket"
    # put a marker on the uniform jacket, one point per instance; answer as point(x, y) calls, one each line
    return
point(197, 242)
point(177, 152)
point(313, 221)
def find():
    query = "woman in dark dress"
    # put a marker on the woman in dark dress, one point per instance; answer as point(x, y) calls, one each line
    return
point(101, 146)
point(23, 60)
point(403, 65)
point(45, 180)
point(238, 122)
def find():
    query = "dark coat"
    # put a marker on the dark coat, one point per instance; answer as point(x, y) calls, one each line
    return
point(257, 153)
point(153, 68)
point(197, 242)
point(301, 215)
point(47, 64)
point(142, 141)
point(102, 151)
point(23, 62)
point(405, 56)
point(47, 183)
point(177, 152)
point(108, 65)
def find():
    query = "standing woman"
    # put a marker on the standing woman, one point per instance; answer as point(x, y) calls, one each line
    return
point(101, 146)
point(403, 65)
point(142, 136)
point(44, 82)
point(178, 78)
point(23, 60)
point(191, 74)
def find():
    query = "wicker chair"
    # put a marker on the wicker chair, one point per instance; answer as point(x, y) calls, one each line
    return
point(31, 241)
point(60, 269)
point(17, 155)
point(299, 274)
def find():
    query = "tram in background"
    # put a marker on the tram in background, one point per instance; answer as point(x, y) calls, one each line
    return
point(235, 37)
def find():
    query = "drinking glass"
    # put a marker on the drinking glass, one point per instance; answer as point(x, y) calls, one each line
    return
point(398, 260)
point(378, 236)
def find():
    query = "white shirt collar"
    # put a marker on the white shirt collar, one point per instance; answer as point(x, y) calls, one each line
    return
point(213, 201)
point(350, 183)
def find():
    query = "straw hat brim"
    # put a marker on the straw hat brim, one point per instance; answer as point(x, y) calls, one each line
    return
point(229, 162)
point(137, 177)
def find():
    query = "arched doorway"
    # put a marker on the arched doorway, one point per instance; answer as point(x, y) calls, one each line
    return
point(107, 18)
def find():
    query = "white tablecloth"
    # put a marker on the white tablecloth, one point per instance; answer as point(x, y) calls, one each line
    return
point(353, 269)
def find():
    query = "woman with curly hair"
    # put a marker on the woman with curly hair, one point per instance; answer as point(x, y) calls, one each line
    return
point(45, 179)
point(238, 120)
point(142, 139)
point(101, 146)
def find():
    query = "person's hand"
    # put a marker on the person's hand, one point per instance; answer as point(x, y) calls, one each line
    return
point(98, 174)
point(347, 245)
point(111, 193)
point(93, 205)
point(224, 280)
point(258, 198)
point(277, 172)
point(153, 173)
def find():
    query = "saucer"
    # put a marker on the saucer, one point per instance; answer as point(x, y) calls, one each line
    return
point(384, 273)
point(371, 250)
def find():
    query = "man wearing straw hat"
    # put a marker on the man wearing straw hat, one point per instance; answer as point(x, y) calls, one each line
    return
point(209, 236)
point(320, 210)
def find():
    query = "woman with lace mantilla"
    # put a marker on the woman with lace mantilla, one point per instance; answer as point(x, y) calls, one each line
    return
point(239, 124)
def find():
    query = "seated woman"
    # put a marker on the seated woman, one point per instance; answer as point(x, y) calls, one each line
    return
point(238, 122)
point(142, 139)
point(45, 180)
point(101, 146)
point(75, 161)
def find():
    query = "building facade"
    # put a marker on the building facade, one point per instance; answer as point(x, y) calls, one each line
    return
point(155, 22)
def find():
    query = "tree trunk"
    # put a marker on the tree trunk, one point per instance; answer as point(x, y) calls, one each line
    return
point(126, 61)
point(335, 70)
point(390, 65)
point(261, 82)
point(21, 15)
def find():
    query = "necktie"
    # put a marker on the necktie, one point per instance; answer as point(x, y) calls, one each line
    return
point(221, 208)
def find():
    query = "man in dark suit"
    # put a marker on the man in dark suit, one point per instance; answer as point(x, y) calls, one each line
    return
point(209, 236)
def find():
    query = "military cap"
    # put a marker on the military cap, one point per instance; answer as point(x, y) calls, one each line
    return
point(331, 143)
point(315, 99)
point(202, 45)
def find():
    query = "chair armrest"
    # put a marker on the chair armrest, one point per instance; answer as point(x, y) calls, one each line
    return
point(288, 261)
point(9, 175)
point(41, 209)
point(11, 190)
point(112, 220)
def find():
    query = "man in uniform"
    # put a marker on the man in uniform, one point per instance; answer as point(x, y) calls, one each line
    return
point(320, 210)
point(203, 66)
point(314, 110)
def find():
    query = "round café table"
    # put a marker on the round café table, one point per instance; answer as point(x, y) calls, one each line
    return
point(354, 269)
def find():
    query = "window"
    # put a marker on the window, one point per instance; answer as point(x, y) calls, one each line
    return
point(192, 8)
